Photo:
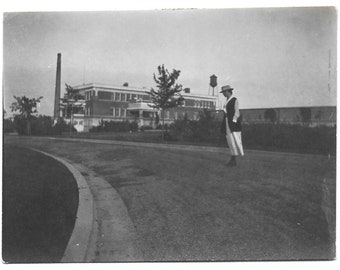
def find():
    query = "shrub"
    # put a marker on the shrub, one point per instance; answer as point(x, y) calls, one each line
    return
point(166, 126)
point(290, 137)
point(143, 128)
point(123, 126)
point(264, 136)
point(20, 125)
point(62, 127)
point(206, 129)
point(41, 125)
point(8, 126)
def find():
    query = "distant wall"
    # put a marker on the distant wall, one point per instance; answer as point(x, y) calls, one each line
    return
point(311, 116)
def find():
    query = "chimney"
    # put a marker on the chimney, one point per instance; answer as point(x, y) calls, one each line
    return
point(57, 90)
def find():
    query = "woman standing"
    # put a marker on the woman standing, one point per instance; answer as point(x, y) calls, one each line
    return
point(231, 125)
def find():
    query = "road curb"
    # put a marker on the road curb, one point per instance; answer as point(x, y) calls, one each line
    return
point(78, 245)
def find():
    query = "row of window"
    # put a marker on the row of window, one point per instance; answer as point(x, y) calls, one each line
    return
point(118, 112)
point(89, 94)
point(122, 112)
point(127, 97)
point(118, 96)
point(203, 104)
point(178, 115)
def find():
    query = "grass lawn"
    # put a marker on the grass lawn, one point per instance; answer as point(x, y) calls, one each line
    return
point(186, 205)
point(192, 207)
point(40, 201)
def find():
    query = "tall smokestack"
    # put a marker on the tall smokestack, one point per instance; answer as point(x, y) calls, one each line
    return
point(57, 90)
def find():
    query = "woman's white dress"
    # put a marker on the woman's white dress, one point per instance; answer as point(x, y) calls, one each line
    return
point(234, 138)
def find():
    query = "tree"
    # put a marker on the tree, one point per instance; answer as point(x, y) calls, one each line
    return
point(26, 107)
point(70, 100)
point(168, 95)
point(71, 93)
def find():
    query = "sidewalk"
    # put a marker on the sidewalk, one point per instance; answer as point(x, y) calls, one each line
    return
point(103, 231)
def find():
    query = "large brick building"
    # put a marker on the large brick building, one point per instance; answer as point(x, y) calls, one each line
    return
point(120, 103)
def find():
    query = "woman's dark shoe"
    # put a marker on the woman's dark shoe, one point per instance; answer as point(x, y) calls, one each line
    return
point(232, 162)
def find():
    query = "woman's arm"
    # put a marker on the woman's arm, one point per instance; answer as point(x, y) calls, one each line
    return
point(237, 111)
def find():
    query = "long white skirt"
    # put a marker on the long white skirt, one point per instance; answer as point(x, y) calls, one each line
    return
point(234, 141)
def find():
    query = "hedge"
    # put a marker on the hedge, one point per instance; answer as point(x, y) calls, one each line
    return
point(123, 126)
point(267, 136)
point(41, 125)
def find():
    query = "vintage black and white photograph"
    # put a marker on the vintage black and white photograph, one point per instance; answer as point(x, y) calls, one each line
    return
point(169, 135)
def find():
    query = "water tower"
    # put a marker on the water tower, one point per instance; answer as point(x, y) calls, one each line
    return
point(213, 83)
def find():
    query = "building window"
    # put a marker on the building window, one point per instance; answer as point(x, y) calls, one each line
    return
point(123, 112)
point(176, 115)
point(123, 97)
point(104, 95)
point(89, 94)
point(128, 97)
point(117, 96)
point(112, 111)
point(116, 111)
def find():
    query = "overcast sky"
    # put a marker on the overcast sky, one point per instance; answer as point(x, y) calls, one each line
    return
point(274, 57)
